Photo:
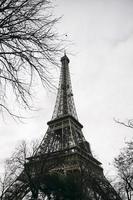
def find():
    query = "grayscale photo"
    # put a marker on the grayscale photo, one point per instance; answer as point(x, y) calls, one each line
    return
point(66, 100)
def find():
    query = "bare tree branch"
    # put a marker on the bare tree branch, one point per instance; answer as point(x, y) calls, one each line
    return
point(128, 123)
point(14, 167)
point(28, 45)
point(124, 166)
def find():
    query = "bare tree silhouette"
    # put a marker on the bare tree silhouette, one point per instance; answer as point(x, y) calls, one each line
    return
point(14, 167)
point(124, 166)
point(28, 43)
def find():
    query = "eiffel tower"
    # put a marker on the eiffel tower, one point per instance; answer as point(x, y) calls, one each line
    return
point(65, 152)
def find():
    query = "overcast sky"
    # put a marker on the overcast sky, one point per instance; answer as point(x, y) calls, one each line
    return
point(101, 65)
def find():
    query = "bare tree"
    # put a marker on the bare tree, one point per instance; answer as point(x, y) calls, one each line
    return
point(28, 43)
point(28, 176)
point(124, 166)
point(10, 183)
point(6, 180)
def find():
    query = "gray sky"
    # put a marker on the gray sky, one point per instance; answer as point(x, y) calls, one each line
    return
point(101, 65)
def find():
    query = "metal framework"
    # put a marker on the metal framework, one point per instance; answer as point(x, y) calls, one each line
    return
point(63, 150)
point(64, 102)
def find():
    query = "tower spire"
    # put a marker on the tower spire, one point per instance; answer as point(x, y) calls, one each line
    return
point(64, 52)
point(64, 102)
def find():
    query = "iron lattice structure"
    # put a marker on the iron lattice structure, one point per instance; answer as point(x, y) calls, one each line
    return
point(64, 101)
point(63, 151)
